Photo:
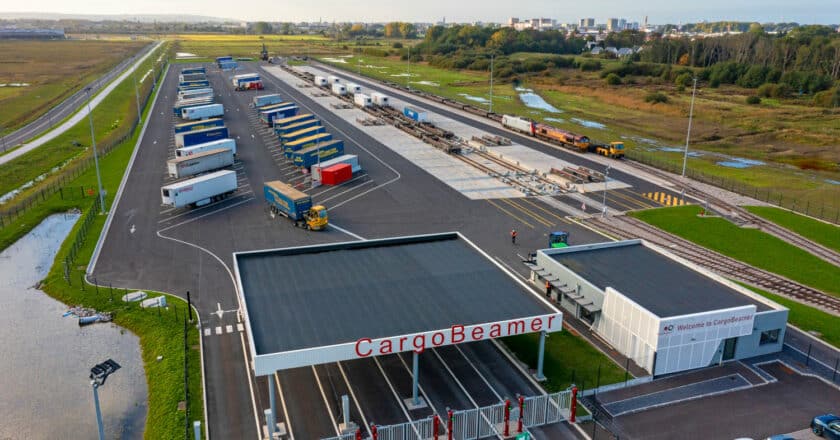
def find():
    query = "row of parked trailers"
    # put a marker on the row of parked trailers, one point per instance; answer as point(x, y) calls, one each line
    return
point(203, 147)
point(226, 63)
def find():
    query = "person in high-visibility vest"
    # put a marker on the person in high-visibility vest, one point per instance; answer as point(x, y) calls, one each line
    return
point(547, 288)
point(513, 236)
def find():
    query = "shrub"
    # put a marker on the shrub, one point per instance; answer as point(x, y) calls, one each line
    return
point(753, 100)
point(590, 66)
point(397, 45)
point(683, 80)
point(828, 98)
point(753, 77)
point(613, 79)
point(534, 65)
point(656, 98)
point(768, 90)
point(714, 83)
point(480, 64)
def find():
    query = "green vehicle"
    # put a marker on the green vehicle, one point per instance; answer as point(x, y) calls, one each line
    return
point(558, 240)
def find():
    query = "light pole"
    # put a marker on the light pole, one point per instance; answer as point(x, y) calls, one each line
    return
point(688, 134)
point(492, 56)
point(95, 157)
point(136, 93)
point(4, 138)
point(98, 374)
point(606, 178)
point(408, 70)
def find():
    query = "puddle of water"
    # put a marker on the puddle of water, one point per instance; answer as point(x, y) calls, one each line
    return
point(590, 124)
point(179, 55)
point(680, 150)
point(522, 89)
point(532, 100)
point(371, 66)
point(426, 83)
point(474, 98)
point(561, 120)
point(336, 60)
point(405, 74)
point(832, 181)
point(45, 392)
point(345, 56)
point(738, 162)
point(13, 193)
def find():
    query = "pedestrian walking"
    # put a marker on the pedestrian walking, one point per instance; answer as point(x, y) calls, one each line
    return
point(513, 236)
point(547, 288)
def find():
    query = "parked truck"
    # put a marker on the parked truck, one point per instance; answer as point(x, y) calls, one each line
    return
point(291, 128)
point(228, 144)
point(202, 92)
point(302, 133)
point(321, 81)
point(225, 59)
point(282, 123)
point(289, 148)
point(200, 83)
point(200, 190)
point(190, 77)
point(295, 205)
point(268, 117)
point(380, 99)
point(349, 159)
point(190, 138)
point(362, 100)
point(199, 125)
point(309, 156)
point(203, 112)
point(212, 160)
point(264, 100)
point(415, 114)
point(187, 70)
point(247, 81)
point(180, 105)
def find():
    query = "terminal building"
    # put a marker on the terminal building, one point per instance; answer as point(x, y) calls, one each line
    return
point(664, 313)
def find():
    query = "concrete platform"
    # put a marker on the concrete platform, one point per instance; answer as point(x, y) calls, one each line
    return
point(461, 177)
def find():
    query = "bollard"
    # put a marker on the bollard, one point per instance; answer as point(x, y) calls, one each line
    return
point(435, 426)
point(573, 405)
point(507, 417)
point(197, 429)
point(836, 364)
point(359, 434)
point(189, 305)
point(521, 413)
point(451, 420)
point(96, 286)
point(373, 432)
point(808, 357)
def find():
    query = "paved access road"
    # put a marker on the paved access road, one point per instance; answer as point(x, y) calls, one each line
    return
point(74, 105)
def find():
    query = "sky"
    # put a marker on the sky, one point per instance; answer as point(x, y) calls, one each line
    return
point(658, 11)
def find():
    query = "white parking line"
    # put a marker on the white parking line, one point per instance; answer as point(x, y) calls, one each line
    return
point(347, 191)
point(353, 396)
point(219, 330)
point(240, 328)
point(326, 402)
point(207, 332)
point(339, 186)
point(229, 328)
point(396, 396)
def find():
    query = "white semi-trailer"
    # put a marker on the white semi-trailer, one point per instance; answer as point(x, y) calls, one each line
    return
point(321, 81)
point(362, 100)
point(203, 112)
point(227, 144)
point(212, 160)
point(196, 93)
point(354, 88)
point(380, 99)
point(339, 89)
point(333, 79)
point(200, 190)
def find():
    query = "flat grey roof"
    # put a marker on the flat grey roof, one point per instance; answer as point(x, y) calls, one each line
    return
point(658, 283)
point(331, 294)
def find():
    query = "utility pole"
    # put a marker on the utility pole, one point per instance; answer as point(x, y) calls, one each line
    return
point(95, 156)
point(492, 56)
point(408, 70)
point(690, 116)
point(606, 178)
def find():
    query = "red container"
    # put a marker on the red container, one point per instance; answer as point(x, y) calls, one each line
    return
point(336, 174)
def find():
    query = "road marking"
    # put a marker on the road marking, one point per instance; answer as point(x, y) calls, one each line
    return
point(353, 396)
point(207, 332)
point(132, 229)
point(219, 311)
point(240, 328)
point(528, 212)
point(250, 384)
point(509, 213)
point(229, 329)
point(561, 218)
point(283, 405)
point(326, 402)
point(396, 396)
point(419, 387)
point(347, 191)
point(333, 225)
point(219, 330)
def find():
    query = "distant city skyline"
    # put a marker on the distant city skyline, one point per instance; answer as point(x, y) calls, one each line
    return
point(658, 11)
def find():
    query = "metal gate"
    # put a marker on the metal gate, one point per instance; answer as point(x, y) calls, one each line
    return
point(476, 423)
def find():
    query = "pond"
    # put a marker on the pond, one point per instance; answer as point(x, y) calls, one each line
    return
point(532, 100)
point(45, 392)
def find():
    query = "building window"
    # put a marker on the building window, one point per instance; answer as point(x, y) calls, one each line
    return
point(769, 337)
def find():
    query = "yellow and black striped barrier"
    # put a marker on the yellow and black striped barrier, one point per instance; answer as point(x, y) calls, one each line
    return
point(666, 199)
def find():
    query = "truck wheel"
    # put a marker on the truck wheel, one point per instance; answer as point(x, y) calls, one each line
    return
point(818, 430)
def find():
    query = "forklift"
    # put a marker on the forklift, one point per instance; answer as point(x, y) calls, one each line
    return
point(558, 240)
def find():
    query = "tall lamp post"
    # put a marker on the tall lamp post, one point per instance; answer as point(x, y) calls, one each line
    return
point(606, 178)
point(98, 374)
point(690, 115)
point(136, 93)
point(95, 156)
point(492, 57)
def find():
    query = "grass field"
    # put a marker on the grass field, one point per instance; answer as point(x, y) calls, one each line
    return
point(748, 245)
point(794, 141)
point(214, 45)
point(160, 335)
point(807, 318)
point(113, 118)
point(568, 359)
point(55, 70)
point(815, 230)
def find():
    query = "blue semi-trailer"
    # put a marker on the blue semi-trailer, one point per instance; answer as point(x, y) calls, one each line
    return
point(190, 138)
point(199, 125)
point(310, 156)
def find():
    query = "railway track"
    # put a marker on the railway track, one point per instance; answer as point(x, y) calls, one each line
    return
point(743, 217)
point(629, 228)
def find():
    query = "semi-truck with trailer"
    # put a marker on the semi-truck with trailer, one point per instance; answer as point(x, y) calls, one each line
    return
point(289, 148)
point(380, 99)
point(190, 138)
point(295, 205)
point(268, 117)
point(349, 159)
point(264, 100)
point(200, 190)
point(203, 112)
point(309, 156)
point(212, 160)
point(302, 133)
point(199, 125)
point(247, 81)
point(228, 144)
point(290, 128)
point(181, 104)
point(415, 114)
